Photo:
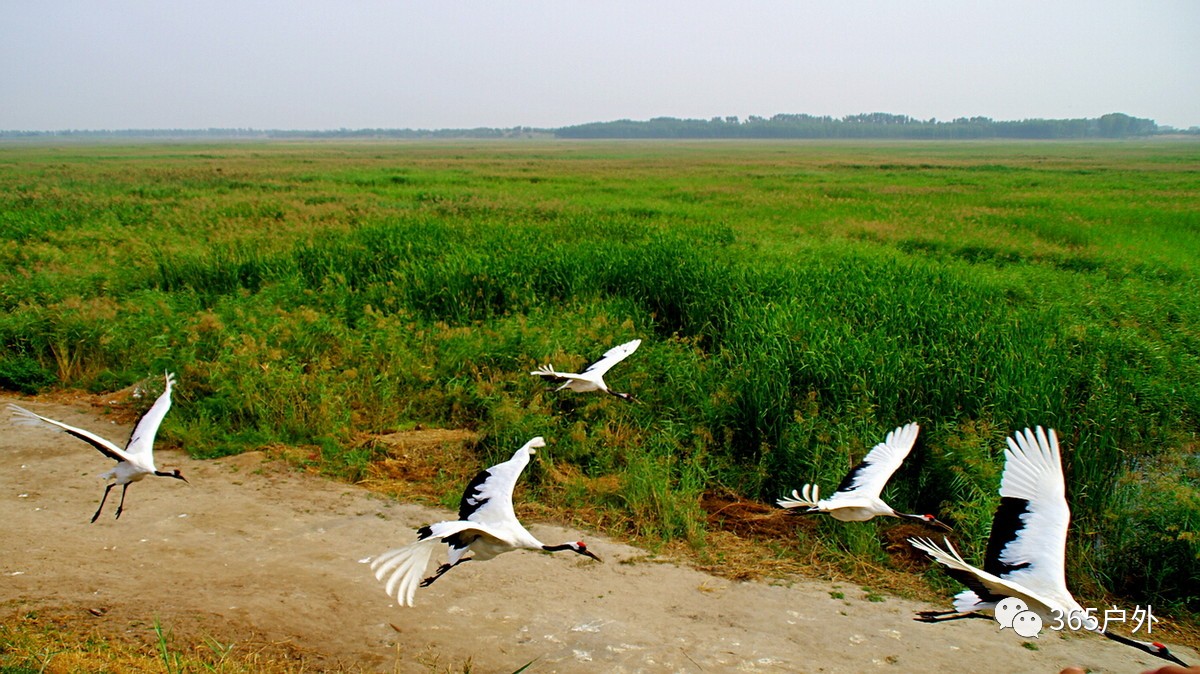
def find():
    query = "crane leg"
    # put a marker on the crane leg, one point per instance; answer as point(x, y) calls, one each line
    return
point(102, 500)
point(121, 506)
point(442, 571)
point(942, 616)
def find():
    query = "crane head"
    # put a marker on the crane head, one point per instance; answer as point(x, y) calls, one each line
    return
point(175, 474)
point(933, 521)
point(1155, 648)
point(581, 548)
point(533, 444)
point(1152, 647)
point(625, 396)
point(578, 547)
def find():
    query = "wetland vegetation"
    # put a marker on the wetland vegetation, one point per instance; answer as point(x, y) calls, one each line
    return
point(797, 301)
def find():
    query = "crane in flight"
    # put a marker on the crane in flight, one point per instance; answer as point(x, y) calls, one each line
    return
point(592, 377)
point(135, 462)
point(1026, 549)
point(857, 497)
point(486, 526)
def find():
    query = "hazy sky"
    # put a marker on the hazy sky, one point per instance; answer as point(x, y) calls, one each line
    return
point(303, 64)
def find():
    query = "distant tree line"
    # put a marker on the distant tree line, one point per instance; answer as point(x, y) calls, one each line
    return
point(869, 125)
point(872, 125)
point(238, 134)
point(139, 133)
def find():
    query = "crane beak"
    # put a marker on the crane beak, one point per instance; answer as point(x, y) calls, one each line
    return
point(589, 553)
point(1171, 656)
point(927, 519)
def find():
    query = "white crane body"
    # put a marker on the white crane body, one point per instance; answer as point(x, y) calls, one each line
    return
point(487, 526)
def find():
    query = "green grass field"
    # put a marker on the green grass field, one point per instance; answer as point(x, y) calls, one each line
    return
point(797, 301)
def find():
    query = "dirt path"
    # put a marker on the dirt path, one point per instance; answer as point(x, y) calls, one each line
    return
point(252, 548)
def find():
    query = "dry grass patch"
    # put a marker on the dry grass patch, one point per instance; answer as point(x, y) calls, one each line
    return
point(749, 540)
point(424, 463)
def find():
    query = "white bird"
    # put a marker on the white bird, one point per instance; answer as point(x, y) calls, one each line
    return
point(486, 526)
point(857, 497)
point(1027, 546)
point(592, 377)
point(134, 462)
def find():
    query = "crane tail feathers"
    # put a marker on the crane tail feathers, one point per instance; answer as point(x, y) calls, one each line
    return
point(968, 601)
point(807, 499)
point(948, 556)
point(401, 569)
point(549, 374)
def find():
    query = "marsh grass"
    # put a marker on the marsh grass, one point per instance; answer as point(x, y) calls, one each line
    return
point(797, 301)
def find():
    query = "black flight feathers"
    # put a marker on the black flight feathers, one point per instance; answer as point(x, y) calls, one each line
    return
point(92, 441)
point(472, 498)
point(848, 482)
point(1006, 526)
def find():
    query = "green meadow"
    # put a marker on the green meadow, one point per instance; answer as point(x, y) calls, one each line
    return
point(797, 300)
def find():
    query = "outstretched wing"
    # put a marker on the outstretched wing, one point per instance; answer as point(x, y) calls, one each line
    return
point(141, 441)
point(986, 586)
point(872, 473)
point(401, 570)
point(488, 497)
point(612, 357)
point(25, 417)
point(1028, 541)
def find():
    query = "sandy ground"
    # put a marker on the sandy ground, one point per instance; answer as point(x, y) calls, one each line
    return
point(253, 550)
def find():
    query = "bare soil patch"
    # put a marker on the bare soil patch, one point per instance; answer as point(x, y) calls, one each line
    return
point(254, 552)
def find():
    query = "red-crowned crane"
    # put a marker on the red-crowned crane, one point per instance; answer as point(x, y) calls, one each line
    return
point(1026, 549)
point(857, 497)
point(592, 377)
point(134, 462)
point(486, 526)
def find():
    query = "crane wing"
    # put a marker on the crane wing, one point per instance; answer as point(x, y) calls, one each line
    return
point(26, 418)
point(402, 569)
point(488, 497)
point(612, 357)
point(986, 586)
point(1028, 541)
point(876, 468)
point(141, 441)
